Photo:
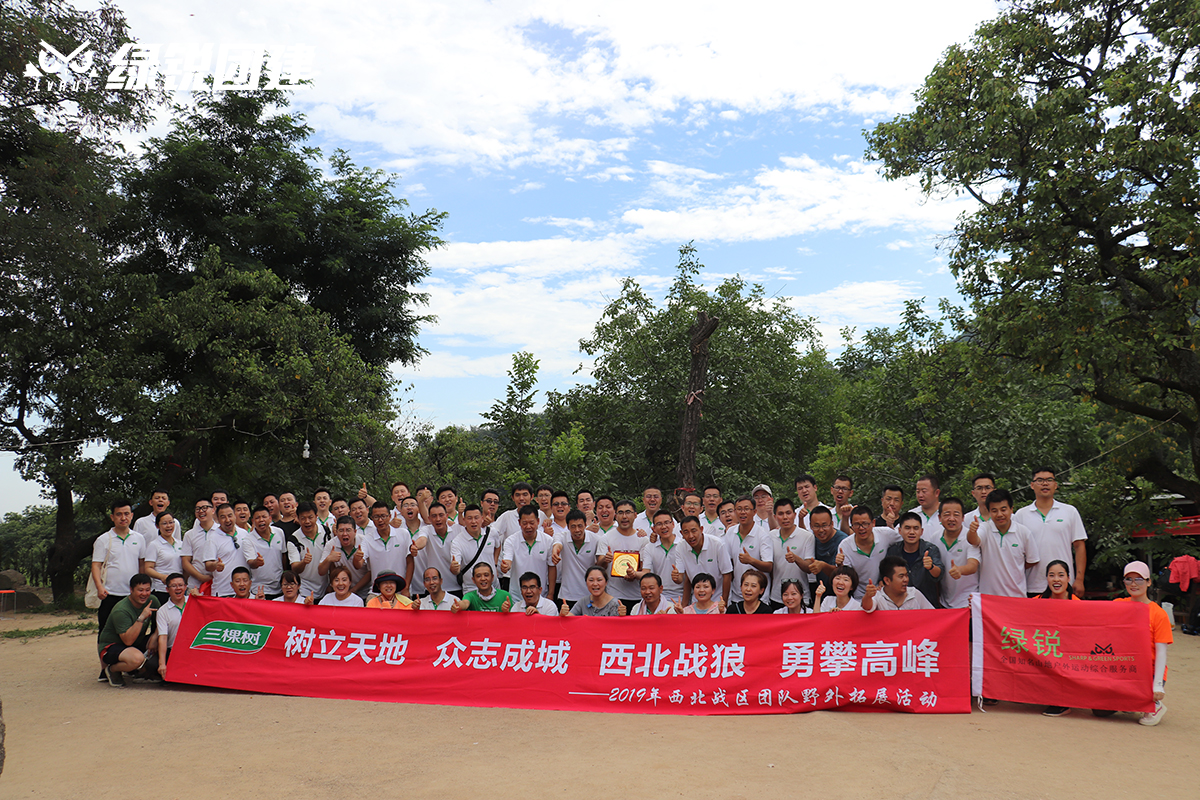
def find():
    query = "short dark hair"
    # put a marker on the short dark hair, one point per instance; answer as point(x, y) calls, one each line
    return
point(625, 503)
point(907, 515)
point(1053, 474)
point(784, 501)
point(588, 492)
point(352, 502)
point(889, 565)
point(704, 577)
point(850, 572)
point(380, 504)
point(845, 478)
point(483, 564)
point(485, 493)
point(725, 501)
point(544, 487)
point(173, 576)
point(822, 510)
point(653, 575)
point(305, 507)
point(662, 512)
point(806, 478)
point(398, 483)
point(891, 487)
point(345, 519)
point(240, 571)
point(140, 579)
point(861, 509)
point(575, 514)
point(320, 489)
point(121, 502)
point(158, 517)
point(530, 576)
point(933, 481)
point(528, 510)
point(521, 486)
point(562, 494)
point(981, 476)
point(998, 496)
point(691, 518)
point(472, 507)
point(446, 488)
point(954, 501)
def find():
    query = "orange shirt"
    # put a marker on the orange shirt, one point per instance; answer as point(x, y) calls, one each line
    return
point(1160, 627)
point(401, 603)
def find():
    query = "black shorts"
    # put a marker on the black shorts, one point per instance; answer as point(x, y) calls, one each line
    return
point(112, 653)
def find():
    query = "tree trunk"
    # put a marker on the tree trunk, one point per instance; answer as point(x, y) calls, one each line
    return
point(65, 555)
point(685, 472)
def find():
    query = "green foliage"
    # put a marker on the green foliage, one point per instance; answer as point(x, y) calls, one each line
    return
point(25, 541)
point(765, 403)
point(517, 429)
point(36, 633)
point(1076, 126)
point(914, 400)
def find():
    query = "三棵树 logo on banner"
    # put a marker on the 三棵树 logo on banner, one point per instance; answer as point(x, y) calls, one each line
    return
point(234, 637)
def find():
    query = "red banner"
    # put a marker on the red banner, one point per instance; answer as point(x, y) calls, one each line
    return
point(914, 661)
point(1078, 655)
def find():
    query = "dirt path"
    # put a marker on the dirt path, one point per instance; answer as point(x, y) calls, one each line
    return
point(69, 736)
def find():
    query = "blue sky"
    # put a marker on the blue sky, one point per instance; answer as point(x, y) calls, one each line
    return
point(574, 144)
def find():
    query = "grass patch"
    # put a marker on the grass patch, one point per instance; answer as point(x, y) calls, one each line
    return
point(34, 633)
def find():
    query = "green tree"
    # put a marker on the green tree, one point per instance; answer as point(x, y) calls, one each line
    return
point(517, 428)
point(69, 372)
point(1075, 124)
point(765, 406)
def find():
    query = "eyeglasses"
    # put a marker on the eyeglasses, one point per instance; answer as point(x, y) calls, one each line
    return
point(1044, 480)
point(1134, 579)
point(203, 508)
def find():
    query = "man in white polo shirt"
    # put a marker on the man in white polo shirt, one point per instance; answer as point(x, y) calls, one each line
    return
point(792, 549)
point(224, 552)
point(147, 526)
point(651, 501)
point(195, 544)
point(749, 546)
point(306, 549)
point(1006, 548)
point(929, 502)
point(866, 548)
point(530, 551)
point(703, 554)
point(623, 539)
point(981, 486)
point(1059, 532)
point(473, 545)
point(572, 555)
point(168, 617)
point(437, 551)
point(764, 507)
point(710, 519)
point(388, 548)
point(960, 558)
point(264, 553)
point(806, 490)
point(660, 555)
point(119, 551)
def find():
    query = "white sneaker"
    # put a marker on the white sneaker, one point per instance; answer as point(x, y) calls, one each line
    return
point(1154, 717)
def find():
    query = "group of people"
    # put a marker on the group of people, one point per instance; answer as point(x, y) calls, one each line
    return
point(593, 556)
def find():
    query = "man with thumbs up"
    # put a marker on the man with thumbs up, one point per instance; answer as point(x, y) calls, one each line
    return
point(225, 552)
point(866, 548)
point(749, 545)
point(896, 594)
point(923, 560)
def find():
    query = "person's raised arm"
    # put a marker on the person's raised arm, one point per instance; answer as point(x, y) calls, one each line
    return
point(973, 533)
point(1160, 669)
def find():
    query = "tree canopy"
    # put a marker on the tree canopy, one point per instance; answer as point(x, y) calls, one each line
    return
point(1076, 126)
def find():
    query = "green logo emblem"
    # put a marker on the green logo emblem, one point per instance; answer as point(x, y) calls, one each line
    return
point(236, 637)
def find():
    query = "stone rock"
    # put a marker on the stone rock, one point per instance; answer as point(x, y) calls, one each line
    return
point(26, 600)
point(11, 579)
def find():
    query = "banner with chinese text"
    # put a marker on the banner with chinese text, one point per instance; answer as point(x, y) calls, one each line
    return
point(915, 661)
point(1078, 655)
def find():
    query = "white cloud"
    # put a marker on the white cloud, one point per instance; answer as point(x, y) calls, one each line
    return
point(804, 196)
point(860, 305)
point(473, 83)
point(731, 115)
point(527, 186)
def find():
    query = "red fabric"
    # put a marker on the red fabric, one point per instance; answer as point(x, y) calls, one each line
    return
point(1079, 655)
point(915, 661)
point(1184, 570)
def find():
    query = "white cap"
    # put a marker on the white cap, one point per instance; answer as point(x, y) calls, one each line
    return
point(762, 487)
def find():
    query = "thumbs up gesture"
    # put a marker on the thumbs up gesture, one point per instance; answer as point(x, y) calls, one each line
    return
point(870, 590)
point(564, 610)
point(927, 562)
point(790, 557)
point(548, 527)
point(455, 567)
point(413, 549)
point(462, 506)
point(308, 601)
point(359, 558)
point(335, 555)
point(506, 605)
point(841, 559)
point(675, 575)
point(744, 556)
point(820, 592)
point(720, 605)
point(974, 526)
point(307, 556)
point(363, 491)
point(844, 511)
point(955, 572)
point(220, 566)
point(621, 610)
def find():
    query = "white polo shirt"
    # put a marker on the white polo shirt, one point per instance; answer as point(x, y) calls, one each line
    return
point(229, 550)
point(464, 548)
point(954, 593)
point(195, 544)
point(574, 563)
point(659, 559)
point(356, 573)
point(713, 559)
point(1003, 557)
point(803, 545)
point(912, 601)
point(389, 556)
point(427, 603)
point(122, 558)
point(167, 620)
point(267, 576)
point(1056, 532)
point(525, 556)
point(756, 544)
point(643, 523)
point(311, 581)
point(545, 605)
point(713, 526)
point(665, 606)
point(352, 601)
point(867, 564)
point(436, 553)
point(615, 542)
point(167, 557)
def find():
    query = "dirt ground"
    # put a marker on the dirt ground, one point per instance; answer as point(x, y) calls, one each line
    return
point(69, 736)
